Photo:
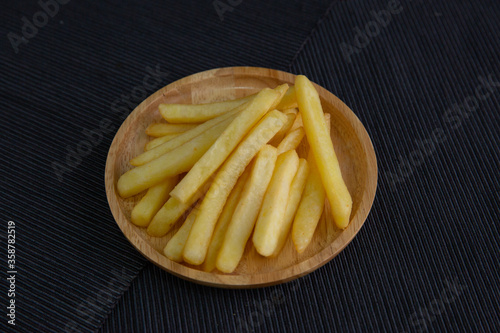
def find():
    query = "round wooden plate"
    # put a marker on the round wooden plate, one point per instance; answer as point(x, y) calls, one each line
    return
point(352, 145)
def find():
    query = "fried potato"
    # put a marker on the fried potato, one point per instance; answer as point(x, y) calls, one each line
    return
point(291, 140)
point(158, 141)
point(226, 143)
point(311, 204)
point(197, 113)
point(244, 216)
point(211, 206)
point(290, 118)
point(294, 111)
point(322, 148)
point(179, 160)
point(289, 101)
point(296, 189)
point(199, 132)
point(171, 211)
point(272, 212)
point(160, 129)
point(151, 203)
point(281, 90)
point(298, 122)
point(223, 222)
point(309, 210)
point(175, 246)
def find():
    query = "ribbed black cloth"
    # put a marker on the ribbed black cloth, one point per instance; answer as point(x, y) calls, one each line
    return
point(425, 82)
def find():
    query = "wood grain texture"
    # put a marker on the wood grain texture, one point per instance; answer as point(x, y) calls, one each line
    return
point(352, 146)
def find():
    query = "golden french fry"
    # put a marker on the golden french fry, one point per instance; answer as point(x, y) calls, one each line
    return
point(171, 211)
point(311, 204)
point(272, 212)
point(281, 90)
point(179, 160)
point(197, 113)
point(297, 123)
point(197, 133)
point(211, 206)
point(158, 141)
point(290, 118)
point(322, 148)
point(296, 189)
point(309, 210)
point(154, 199)
point(289, 101)
point(160, 129)
point(226, 143)
point(175, 246)
point(222, 223)
point(244, 216)
point(291, 141)
point(294, 111)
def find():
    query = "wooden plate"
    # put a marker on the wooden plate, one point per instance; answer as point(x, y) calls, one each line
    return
point(352, 145)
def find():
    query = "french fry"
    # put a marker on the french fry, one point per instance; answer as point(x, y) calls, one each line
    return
point(281, 90)
point(158, 130)
point(291, 140)
point(272, 212)
point(197, 113)
point(211, 206)
point(223, 222)
point(243, 220)
point(311, 204)
point(290, 118)
point(309, 210)
point(154, 199)
point(297, 123)
point(158, 141)
point(171, 211)
point(294, 111)
point(280, 194)
point(322, 148)
point(296, 189)
point(199, 132)
point(289, 101)
point(175, 246)
point(227, 141)
point(179, 160)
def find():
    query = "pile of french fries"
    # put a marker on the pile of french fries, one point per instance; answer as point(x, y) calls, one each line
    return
point(233, 167)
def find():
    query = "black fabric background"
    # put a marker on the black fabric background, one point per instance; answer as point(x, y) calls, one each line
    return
point(438, 224)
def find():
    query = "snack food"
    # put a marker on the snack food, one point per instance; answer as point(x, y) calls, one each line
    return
point(201, 233)
point(158, 130)
point(227, 141)
point(151, 203)
point(197, 113)
point(213, 144)
point(244, 216)
point(272, 212)
point(323, 152)
point(296, 189)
